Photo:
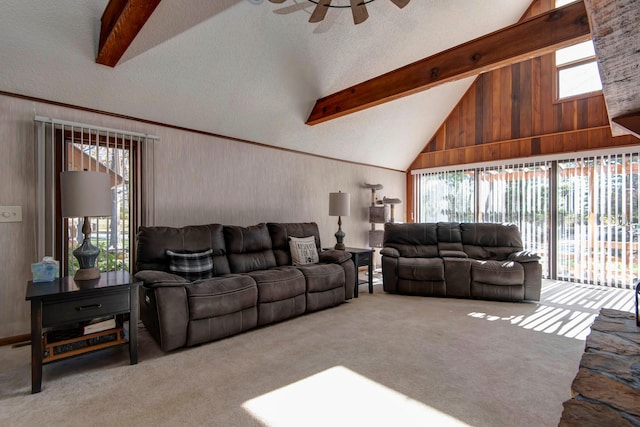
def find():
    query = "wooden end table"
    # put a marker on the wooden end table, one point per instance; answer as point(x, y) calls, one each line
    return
point(361, 258)
point(65, 301)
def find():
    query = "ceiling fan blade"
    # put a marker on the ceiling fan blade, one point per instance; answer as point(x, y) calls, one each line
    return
point(277, 1)
point(400, 3)
point(320, 11)
point(285, 10)
point(359, 11)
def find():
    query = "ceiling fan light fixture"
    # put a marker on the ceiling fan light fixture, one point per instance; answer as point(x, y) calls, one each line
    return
point(358, 8)
point(320, 11)
point(359, 11)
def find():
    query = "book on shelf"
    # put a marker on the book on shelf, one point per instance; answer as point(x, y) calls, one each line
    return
point(98, 325)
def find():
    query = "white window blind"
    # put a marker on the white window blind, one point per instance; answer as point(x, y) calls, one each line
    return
point(598, 225)
point(65, 146)
point(592, 203)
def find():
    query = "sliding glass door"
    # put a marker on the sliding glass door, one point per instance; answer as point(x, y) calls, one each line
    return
point(598, 219)
point(580, 215)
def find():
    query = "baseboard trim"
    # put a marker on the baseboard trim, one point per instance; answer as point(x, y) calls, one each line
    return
point(15, 339)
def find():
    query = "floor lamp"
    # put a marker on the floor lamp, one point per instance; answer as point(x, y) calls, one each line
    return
point(339, 205)
point(85, 194)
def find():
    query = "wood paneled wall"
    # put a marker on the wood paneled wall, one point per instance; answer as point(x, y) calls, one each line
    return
point(512, 113)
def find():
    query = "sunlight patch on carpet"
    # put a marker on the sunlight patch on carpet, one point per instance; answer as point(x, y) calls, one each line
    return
point(568, 310)
point(341, 397)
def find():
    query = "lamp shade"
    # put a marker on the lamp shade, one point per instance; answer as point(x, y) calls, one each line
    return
point(85, 193)
point(339, 204)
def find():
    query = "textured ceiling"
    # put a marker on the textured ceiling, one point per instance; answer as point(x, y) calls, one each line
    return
point(249, 71)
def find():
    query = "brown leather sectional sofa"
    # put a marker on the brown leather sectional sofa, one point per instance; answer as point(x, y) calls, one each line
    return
point(465, 260)
point(253, 282)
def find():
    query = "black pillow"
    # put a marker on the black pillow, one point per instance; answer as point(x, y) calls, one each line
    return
point(192, 265)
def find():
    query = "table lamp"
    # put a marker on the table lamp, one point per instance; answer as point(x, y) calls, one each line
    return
point(339, 205)
point(85, 194)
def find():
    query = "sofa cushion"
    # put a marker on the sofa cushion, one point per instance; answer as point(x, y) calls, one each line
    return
point(325, 285)
point(321, 277)
point(303, 250)
point(421, 268)
point(154, 241)
point(279, 283)
point(281, 294)
point(248, 248)
point(412, 240)
point(192, 265)
point(219, 296)
point(497, 272)
point(449, 237)
point(490, 241)
point(280, 233)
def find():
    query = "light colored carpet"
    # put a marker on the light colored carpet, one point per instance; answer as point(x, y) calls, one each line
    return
point(378, 360)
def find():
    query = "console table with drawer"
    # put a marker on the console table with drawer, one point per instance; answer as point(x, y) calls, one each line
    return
point(59, 307)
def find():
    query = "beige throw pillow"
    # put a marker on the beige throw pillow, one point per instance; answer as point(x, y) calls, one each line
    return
point(303, 250)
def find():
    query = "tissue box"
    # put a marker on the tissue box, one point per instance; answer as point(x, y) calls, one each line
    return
point(45, 271)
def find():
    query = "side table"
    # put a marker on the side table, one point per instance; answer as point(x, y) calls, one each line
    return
point(361, 258)
point(65, 301)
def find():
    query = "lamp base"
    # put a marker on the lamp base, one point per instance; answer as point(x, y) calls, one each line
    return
point(339, 236)
point(87, 274)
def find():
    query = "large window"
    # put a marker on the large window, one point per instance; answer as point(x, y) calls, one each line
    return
point(598, 204)
point(86, 149)
point(581, 215)
point(62, 146)
point(577, 70)
point(446, 196)
point(516, 194)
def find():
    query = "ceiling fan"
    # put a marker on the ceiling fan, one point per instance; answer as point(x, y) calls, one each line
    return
point(358, 8)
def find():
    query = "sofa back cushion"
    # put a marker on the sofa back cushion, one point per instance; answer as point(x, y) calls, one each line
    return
point(449, 237)
point(280, 233)
point(490, 241)
point(412, 240)
point(248, 248)
point(153, 242)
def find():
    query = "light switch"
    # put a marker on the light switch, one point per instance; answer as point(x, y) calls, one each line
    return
point(10, 213)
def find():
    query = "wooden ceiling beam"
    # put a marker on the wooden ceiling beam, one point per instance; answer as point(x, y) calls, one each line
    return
point(630, 122)
point(121, 22)
point(534, 37)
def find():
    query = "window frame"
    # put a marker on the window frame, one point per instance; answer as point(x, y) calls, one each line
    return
point(572, 64)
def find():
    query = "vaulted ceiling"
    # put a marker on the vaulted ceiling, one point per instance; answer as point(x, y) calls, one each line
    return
point(250, 71)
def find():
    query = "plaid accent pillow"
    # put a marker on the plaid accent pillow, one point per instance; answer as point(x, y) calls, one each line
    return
point(303, 250)
point(192, 265)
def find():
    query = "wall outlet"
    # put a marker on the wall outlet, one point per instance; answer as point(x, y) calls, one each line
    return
point(10, 213)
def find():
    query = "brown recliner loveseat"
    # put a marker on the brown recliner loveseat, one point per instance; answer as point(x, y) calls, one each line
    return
point(252, 280)
point(465, 260)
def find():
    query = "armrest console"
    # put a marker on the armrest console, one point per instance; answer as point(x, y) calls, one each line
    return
point(453, 254)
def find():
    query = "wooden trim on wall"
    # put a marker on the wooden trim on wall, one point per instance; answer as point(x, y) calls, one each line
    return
point(17, 339)
point(184, 129)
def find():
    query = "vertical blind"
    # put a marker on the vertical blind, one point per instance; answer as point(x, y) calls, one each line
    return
point(65, 146)
point(593, 200)
point(598, 225)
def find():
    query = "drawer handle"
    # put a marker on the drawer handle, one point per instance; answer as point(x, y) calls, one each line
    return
point(89, 307)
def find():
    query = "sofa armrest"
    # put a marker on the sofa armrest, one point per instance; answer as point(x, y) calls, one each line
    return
point(392, 252)
point(333, 256)
point(156, 279)
point(453, 254)
point(524, 256)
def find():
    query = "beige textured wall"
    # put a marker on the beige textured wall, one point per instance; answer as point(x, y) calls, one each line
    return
point(199, 179)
